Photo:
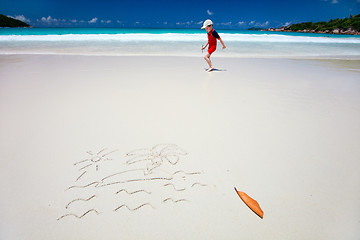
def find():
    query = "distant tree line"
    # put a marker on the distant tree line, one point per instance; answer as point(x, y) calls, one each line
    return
point(353, 22)
point(11, 22)
point(255, 29)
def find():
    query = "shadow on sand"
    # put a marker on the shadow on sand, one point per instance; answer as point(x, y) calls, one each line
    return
point(216, 70)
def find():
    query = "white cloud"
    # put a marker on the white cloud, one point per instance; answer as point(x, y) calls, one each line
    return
point(94, 20)
point(105, 21)
point(188, 23)
point(209, 12)
point(259, 24)
point(334, 1)
point(241, 23)
point(265, 24)
point(49, 20)
point(226, 23)
point(21, 18)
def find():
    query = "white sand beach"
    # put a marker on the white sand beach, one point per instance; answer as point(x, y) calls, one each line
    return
point(80, 154)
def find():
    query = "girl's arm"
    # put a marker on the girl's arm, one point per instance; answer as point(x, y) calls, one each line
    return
point(205, 46)
point(223, 44)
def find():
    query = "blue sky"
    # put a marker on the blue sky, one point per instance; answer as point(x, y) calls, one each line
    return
point(181, 14)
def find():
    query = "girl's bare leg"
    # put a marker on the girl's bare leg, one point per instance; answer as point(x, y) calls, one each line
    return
point(207, 59)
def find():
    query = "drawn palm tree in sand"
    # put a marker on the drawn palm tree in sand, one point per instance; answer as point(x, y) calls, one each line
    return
point(156, 156)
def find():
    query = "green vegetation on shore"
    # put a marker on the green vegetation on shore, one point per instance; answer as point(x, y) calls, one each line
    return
point(255, 29)
point(349, 25)
point(346, 23)
point(11, 22)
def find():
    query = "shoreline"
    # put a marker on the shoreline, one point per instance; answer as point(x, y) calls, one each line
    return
point(345, 57)
point(248, 45)
point(344, 63)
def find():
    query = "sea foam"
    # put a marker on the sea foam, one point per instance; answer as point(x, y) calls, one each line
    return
point(182, 44)
point(176, 37)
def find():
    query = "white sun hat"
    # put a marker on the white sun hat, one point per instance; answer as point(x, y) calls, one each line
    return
point(207, 22)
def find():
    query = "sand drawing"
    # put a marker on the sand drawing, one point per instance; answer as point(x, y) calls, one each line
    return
point(174, 201)
point(95, 159)
point(156, 156)
point(102, 184)
point(80, 176)
point(144, 177)
point(79, 199)
point(176, 189)
point(134, 209)
point(71, 214)
point(131, 193)
point(199, 184)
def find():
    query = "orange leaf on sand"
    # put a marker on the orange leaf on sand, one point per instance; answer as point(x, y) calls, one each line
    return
point(251, 203)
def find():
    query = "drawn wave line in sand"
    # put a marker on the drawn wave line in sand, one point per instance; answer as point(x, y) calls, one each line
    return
point(84, 186)
point(200, 184)
point(72, 214)
point(175, 201)
point(176, 189)
point(130, 193)
point(134, 209)
point(79, 199)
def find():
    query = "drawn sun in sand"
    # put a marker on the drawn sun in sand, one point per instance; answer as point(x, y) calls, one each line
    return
point(145, 177)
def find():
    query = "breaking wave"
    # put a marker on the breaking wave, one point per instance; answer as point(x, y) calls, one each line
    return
point(178, 37)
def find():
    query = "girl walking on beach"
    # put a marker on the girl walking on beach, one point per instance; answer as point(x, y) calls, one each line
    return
point(213, 36)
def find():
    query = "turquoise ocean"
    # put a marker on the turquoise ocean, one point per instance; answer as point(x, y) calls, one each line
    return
point(175, 42)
